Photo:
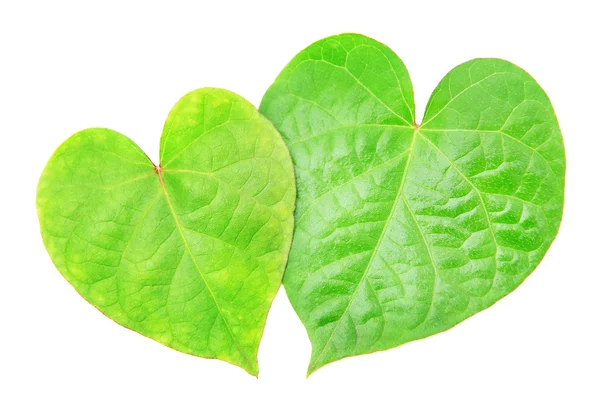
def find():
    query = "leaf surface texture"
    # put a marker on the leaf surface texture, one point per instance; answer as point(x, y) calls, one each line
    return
point(190, 253)
point(404, 230)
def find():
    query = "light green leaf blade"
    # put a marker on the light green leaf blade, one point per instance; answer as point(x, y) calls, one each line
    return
point(402, 230)
point(189, 253)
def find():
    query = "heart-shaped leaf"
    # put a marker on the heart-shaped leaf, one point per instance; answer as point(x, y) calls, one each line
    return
point(191, 252)
point(402, 230)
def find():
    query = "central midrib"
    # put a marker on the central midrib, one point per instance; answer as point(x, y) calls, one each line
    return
point(185, 242)
point(375, 250)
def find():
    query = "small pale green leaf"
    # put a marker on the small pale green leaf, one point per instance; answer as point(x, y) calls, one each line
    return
point(402, 230)
point(189, 253)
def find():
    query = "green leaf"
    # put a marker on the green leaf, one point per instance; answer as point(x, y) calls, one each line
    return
point(190, 253)
point(402, 230)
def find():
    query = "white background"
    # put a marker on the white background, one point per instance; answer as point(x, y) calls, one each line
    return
point(68, 66)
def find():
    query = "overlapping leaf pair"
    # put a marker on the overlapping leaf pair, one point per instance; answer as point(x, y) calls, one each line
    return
point(401, 230)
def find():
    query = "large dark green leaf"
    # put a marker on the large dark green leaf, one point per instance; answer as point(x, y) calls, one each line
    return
point(404, 230)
